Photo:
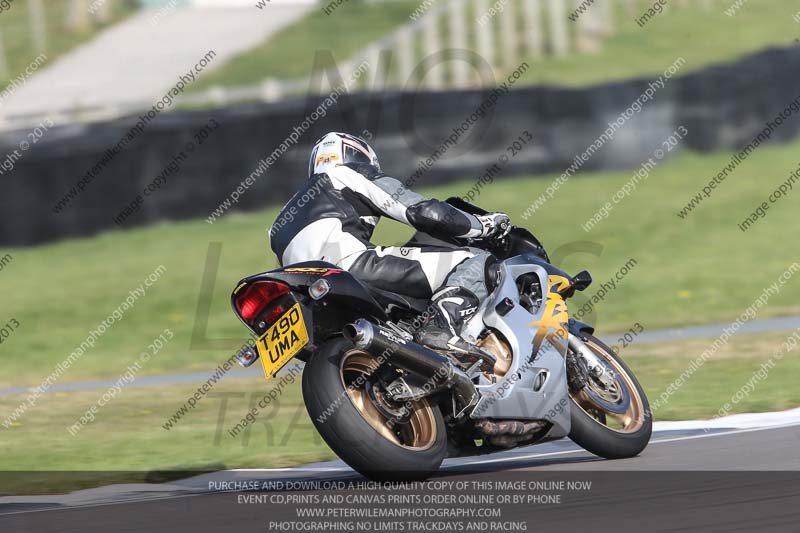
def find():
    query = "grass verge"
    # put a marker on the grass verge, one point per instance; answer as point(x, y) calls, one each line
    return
point(290, 52)
point(697, 270)
point(701, 36)
point(127, 441)
point(18, 36)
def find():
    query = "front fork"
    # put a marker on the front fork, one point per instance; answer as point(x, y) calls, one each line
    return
point(586, 364)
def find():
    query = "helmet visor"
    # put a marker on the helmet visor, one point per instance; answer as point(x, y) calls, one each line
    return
point(312, 161)
point(353, 155)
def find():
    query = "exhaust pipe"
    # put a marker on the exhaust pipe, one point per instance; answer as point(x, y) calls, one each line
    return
point(423, 362)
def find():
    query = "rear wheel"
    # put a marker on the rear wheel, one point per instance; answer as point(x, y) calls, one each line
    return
point(610, 415)
point(377, 437)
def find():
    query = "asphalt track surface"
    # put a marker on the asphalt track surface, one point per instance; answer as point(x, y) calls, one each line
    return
point(740, 473)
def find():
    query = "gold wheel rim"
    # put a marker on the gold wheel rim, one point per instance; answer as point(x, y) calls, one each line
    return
point(632, 419)
point(420, 431)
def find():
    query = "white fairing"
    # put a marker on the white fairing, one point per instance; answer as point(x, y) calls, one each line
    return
point(514, 397)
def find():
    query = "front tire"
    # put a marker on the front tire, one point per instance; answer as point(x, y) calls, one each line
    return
point(335, 391)
point(599, 423)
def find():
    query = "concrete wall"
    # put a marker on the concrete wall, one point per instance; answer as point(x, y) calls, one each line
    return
point(723, 107)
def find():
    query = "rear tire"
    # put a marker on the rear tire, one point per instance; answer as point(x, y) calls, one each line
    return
point(600, 439)
point(351, 431)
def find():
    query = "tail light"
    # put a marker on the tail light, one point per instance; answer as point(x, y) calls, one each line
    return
point(258, 296)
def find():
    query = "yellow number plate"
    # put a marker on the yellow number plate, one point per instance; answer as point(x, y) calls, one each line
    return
point(282, 341)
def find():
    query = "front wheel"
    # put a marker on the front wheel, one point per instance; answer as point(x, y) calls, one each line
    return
point(379, 438)
point(610, 415)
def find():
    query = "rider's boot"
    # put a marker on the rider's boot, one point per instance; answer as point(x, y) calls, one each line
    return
point(453, 306)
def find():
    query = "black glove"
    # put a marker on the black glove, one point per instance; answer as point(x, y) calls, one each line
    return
point(494, 225)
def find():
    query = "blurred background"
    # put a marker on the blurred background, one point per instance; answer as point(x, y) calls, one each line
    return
point(146, 147)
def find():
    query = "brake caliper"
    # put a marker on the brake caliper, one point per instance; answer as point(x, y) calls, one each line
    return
point(577, 371)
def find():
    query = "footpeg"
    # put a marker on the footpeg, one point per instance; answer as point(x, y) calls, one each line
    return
point(476, 355)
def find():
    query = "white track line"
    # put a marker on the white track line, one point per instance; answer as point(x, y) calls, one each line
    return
point(490, 461)
point(547, 454)
point(659, 441)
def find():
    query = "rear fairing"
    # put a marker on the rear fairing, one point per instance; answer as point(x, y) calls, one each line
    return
point(347, 300)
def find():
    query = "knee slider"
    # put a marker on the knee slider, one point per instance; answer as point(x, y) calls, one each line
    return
point(492, 273)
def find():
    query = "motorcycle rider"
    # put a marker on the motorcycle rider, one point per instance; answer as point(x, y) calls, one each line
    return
point(332, 218)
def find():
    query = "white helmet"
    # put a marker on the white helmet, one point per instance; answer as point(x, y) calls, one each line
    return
point(337, 149)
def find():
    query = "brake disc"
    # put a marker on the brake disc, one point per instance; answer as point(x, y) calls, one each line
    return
point(391, 410)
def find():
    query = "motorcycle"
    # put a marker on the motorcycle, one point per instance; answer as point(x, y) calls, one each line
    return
point(393, 409)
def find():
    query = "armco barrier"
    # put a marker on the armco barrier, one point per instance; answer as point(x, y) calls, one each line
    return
point(722, 106)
